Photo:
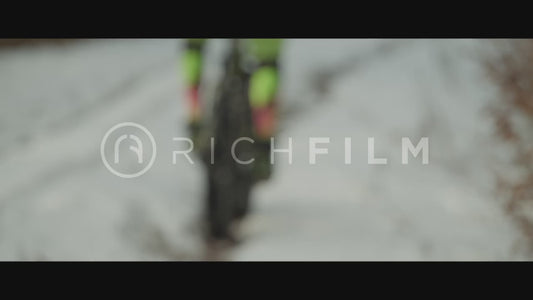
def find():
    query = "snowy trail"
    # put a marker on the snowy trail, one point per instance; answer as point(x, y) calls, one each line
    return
point(331, 211)
point(58, 202)
point(69, 207)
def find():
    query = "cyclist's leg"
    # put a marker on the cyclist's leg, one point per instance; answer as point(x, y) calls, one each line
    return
point(262, 94)
point(192, 64)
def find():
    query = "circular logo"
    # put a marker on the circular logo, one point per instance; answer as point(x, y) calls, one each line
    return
point(133, 164)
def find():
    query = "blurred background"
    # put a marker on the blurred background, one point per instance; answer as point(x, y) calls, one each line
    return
point(473, 99)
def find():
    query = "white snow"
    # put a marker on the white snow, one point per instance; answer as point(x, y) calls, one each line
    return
point(58, 202)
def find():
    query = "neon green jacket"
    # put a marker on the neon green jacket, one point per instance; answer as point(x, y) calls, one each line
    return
point(264, 80)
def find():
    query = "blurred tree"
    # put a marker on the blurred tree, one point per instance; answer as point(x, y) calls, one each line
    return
point(512, 71)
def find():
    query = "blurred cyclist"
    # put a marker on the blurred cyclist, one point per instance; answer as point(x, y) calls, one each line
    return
point(262, 93)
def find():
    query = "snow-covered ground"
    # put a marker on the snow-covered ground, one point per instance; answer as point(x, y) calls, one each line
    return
point(58, 201)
